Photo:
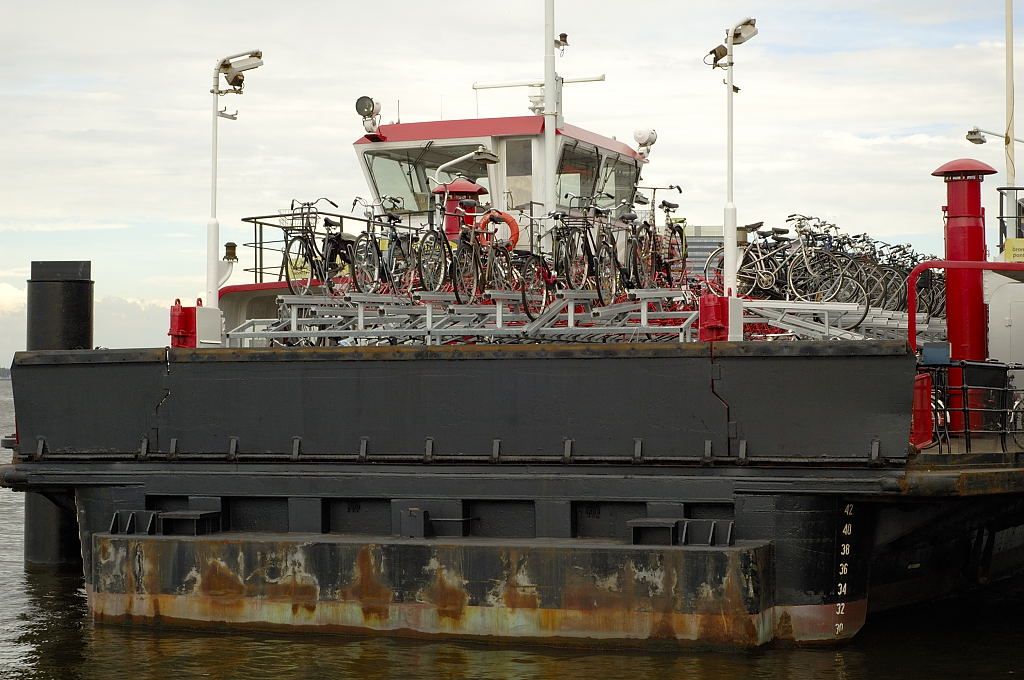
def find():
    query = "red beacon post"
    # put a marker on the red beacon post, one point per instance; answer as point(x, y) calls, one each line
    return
point(965, 242)
point(965, 303)
point(458, 190)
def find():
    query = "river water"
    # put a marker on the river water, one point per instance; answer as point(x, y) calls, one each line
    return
point(46, 632)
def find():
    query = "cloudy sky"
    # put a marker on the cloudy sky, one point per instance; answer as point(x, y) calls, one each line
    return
point(846, 108)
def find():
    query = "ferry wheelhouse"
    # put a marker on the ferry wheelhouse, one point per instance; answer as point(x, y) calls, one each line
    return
point(399, 160)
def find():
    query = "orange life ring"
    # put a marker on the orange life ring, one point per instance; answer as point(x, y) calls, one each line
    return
point(510, 222)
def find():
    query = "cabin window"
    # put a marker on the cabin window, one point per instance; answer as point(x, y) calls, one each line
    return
point(618, 178)
point(403, 172)
point(519, 172)
point(577, 172)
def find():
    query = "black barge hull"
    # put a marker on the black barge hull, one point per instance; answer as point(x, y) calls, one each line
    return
point(730, 494)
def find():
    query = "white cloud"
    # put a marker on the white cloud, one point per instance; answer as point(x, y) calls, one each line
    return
point(12, 299)
point(37, 226)
point(110, 127)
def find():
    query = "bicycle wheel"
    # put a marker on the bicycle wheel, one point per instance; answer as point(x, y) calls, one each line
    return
point(713, 269)
point(749, 278)
point(503, 275)
point(366, 265)
point(465, 276)
point(816, 278)
point(675, 262)
point(339, 271)
point(404, 269)
point(1016, 423)
point(853, 291)
point(298, 266)
point(578, 263)
point(536, 291)
point(607, 275)
point(433, 262)
point(645, 259)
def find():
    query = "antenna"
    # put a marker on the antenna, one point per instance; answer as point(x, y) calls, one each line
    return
point(398, 110)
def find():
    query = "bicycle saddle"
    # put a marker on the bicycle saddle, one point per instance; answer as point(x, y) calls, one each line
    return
point(469, 203)
point(779, 238)
point(601, 212)
point(628, 217)
point(764, 233)
point(328, 222)
point(559, 215)
point(666, 205)
point(392, 217)
point(780, 230)
point(495, 219)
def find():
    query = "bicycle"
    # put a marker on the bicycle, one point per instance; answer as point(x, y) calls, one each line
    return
point(394, 269)
point(480, 263)
point(671, 258)
point(308, 264)
point(585, 268)
point(541, 276)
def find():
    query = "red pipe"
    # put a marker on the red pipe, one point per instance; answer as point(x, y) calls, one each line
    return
point(944, 264)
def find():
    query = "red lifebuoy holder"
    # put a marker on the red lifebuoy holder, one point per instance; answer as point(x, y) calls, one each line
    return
point(509, 231)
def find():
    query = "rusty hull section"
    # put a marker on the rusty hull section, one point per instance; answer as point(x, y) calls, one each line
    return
point(537, 591)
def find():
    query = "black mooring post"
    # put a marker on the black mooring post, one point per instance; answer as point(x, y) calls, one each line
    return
point(60, 316)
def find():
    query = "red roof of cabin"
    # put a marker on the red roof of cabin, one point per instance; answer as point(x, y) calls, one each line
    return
point(489, 127)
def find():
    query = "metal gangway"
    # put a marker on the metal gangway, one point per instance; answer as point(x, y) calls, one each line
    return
point(648, 315)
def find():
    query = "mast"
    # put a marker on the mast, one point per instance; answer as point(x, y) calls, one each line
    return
point(550, 109)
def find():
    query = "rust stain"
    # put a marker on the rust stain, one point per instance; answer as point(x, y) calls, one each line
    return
point(725, 619)
point(217, 580)
point(373, 596)
point(446, 593)
point(784, 627)
point(518, 592)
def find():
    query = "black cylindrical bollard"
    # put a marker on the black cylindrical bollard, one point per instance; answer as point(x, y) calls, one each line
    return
point(60, 304)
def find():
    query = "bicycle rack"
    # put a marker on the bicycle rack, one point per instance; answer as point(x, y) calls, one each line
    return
point(650, 315)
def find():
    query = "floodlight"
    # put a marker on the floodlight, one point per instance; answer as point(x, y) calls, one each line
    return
point(233, 70)
point(485, 155)
point(718, 54)
point(744, 31)
point(645, 137)
point(367, 107)
point(975, 136)
point(246, 64)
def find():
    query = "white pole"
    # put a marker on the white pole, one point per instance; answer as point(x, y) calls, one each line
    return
point(550, 109)
point(729, 244)
point(1008, 140)
point(729, 234)
point(213, 226)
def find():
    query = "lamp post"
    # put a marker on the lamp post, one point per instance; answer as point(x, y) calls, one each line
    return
point(1011, 171)
point(233, 68)
point(977, 136)
point(737, 35)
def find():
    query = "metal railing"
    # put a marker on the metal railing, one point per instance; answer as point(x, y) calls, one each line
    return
point(271, 233)
point(976, 407)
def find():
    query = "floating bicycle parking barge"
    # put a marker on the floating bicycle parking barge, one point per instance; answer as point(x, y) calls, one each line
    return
point(418, 464)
